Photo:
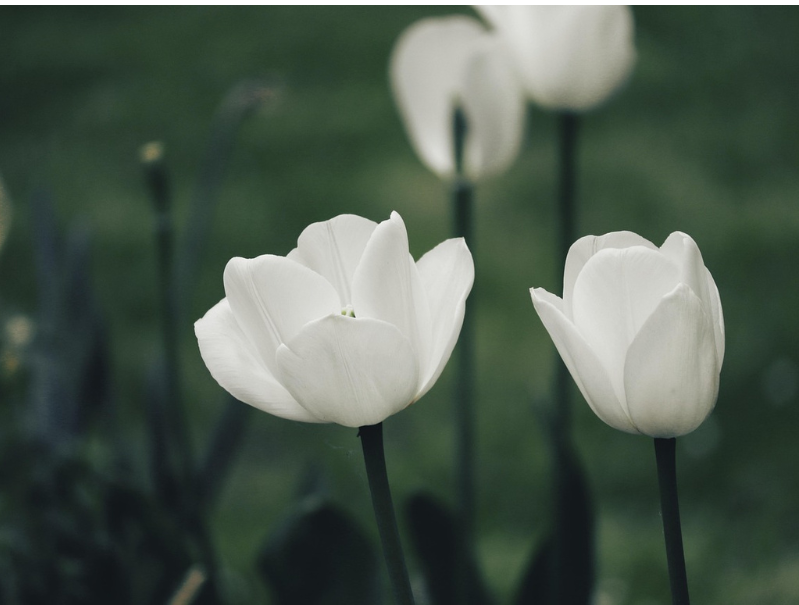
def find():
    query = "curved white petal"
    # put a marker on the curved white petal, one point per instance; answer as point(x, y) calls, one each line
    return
point(333, 249)
point(671, 376)
point(272, 297)
point(494, 107)
point(350, 371)
point(581, 360)
point(387, 286)
point(718, 317)
point(496, 15)
point(584, 248)
point(569, 57)
point(236, 366)
point(440, 63)
point(614, 294)
point(682, 249)
point(447, 274)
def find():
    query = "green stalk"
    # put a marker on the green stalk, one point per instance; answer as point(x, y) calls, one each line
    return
point(567, 135)
point(667, 480)
point(375, 460)
point(175, 420)
point(463, 226)
point(158, 183)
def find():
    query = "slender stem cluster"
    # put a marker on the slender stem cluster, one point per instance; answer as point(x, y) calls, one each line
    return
point(375, 460)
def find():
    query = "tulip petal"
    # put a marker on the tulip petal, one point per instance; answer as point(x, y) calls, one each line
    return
point(614, 294)
point(235, 364)
point(718, 317)
point(273, 297)
point(447, 274)
point(671, 376)
point(497, 15)
point(387, 286)
point(569, 57)
point(581, 360)
point(683, 251)
point(427, 72)
point(494, 106)
point(350, 371)
point(333, 249)
point(584, 248)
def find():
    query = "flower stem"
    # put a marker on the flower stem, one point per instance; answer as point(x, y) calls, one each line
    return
point(375, 460)
point(567, 133)
point(158, 184)
point(670, 508)
point(463, 226)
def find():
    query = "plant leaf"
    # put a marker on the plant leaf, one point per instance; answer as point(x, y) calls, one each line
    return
point(319, 556)
point(439, 545)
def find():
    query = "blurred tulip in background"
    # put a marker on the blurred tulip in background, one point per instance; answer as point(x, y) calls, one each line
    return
point(569, 58)
point(441, 64)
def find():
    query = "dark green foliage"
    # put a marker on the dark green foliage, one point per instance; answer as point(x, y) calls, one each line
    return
point(439, 548)
point(70, 361)
point(74, 533)
point(561, 570)
point(319, 556)
point(536, 584)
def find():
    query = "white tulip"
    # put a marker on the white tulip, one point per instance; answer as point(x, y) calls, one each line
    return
point(641, 330)
point(568, 57)
point(440, 63)
point(346, 328)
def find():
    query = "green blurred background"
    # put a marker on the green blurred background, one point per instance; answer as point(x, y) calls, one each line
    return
point(704, 139)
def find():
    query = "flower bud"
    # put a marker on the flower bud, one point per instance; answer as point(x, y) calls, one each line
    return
point(641, 330)
point(439, 65)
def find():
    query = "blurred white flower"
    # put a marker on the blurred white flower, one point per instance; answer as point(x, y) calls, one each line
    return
point(346, 328)
point(439, 64)
point(568, 57)
point(640, 329)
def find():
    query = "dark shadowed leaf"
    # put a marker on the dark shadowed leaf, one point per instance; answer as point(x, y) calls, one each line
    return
point(566, 557)
point(536, 584)
point(229, 433)
point(573, 561)
point(439, 546)
point(319, 556)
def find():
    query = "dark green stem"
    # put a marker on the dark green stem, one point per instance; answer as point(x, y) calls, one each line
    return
point(463, 226)
point(158, 183)
point(374, 457)
point(176, 429)
point(464, 381)
point(567, 135)
point(670, 509)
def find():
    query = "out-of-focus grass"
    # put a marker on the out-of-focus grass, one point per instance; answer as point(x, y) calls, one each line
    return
point(702, 140)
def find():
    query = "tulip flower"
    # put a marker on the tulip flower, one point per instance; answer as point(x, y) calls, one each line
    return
point(641, 331)
point(346, 328)
point(440, 64)
point(569, 58)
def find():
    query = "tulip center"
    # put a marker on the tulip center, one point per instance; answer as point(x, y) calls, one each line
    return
point(348, 311)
